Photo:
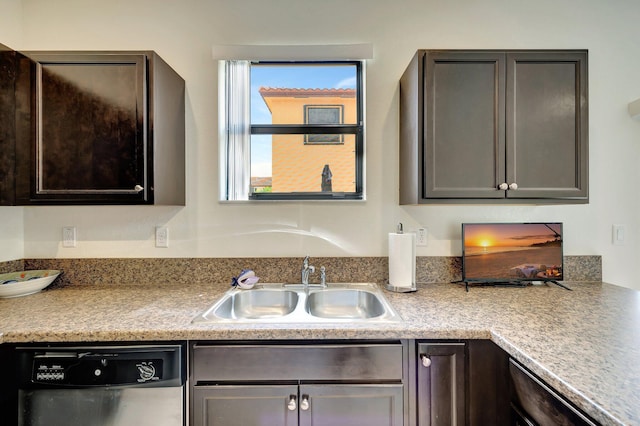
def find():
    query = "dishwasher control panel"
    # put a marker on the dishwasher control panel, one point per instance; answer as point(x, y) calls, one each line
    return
point(99, 366)
point(95, 369)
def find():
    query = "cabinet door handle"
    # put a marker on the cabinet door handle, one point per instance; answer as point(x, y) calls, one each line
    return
point(292, 406)
point(426, 361)
point(513, 186)
point(503, 186)
point(138, 188)
point(304, 403)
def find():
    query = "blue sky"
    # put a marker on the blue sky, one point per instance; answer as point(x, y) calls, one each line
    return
point(292, 77)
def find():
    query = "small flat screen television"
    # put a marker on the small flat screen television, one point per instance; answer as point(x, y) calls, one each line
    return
point(515, 253)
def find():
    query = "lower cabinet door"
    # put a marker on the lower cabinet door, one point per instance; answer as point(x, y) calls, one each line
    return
point(441, 384)
point(260, 405)
point(351, 405)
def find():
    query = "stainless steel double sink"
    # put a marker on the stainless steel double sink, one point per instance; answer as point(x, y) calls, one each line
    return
point(295, 303)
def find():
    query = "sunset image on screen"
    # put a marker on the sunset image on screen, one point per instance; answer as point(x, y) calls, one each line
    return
point(511, 251)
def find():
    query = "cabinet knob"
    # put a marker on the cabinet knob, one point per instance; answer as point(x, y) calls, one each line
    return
point(138, 188)
point(426, 361)
point(304, 403)
point(292, 406)
point(513, 186)
point(503, 186)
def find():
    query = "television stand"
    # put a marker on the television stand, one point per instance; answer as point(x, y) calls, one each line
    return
point(559, 284)
point(468, 284)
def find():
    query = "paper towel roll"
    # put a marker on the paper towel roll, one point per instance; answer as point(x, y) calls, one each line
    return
point(402, 260)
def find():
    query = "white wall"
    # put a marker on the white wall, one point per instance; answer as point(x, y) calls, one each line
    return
point(11, 22)
point(183, 33)
point(11, 218)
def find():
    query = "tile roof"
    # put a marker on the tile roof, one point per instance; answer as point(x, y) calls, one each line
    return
point(294, 92)
point(260, 181)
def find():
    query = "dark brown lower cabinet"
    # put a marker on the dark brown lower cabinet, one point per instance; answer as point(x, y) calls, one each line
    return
point(441, 378)
point(461, 383)
point(298, 383)
point(373, 383)
point(535, 403)
point(488, 384)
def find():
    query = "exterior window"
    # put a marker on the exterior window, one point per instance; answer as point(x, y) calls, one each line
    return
point(323, 114)
point(300, 137)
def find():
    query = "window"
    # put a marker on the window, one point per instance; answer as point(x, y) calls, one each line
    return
point(323, 114)
point(292, 130)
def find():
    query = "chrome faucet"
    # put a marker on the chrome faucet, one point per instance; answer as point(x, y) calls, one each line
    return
point(306, 270)
point(323, 277)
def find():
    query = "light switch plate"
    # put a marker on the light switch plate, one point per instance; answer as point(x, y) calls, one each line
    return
point(618, 235)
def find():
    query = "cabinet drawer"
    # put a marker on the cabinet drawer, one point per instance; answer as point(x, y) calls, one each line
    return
point(370, 362)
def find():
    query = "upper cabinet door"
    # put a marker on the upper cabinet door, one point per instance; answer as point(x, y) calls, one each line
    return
point(547, 124)
point(103, 128)
point(91, 118)
point(463, 122)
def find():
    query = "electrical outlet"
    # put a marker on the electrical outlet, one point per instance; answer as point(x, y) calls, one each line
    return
point(421, 237)
point(162, 236)
point(69, 236)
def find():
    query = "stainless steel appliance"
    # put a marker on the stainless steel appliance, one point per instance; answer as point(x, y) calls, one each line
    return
point(101, 385)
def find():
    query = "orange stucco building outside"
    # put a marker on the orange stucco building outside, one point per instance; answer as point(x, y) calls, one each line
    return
point(297, 162)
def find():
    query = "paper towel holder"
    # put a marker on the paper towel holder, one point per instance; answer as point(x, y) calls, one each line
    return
point(398, 289)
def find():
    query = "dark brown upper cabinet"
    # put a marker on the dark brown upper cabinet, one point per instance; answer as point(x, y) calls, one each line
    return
point(494, 127)
point(100, 128)
point(8, 69)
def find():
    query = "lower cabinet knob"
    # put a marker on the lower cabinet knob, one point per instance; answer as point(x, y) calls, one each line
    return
point(304, 403)
point(503, 186)
point(426, 361)
point(292, 406)
point(513, 186)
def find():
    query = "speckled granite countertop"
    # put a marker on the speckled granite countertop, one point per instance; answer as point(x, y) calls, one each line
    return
point(584, 343)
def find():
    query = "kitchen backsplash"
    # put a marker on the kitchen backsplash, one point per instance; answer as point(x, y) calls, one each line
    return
point(184, 271)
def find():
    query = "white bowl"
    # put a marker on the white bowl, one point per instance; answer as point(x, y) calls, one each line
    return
point(21, 283)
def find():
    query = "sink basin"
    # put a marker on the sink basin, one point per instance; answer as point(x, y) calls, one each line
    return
point(293, 303)
point(256, 304)
point(345, 303)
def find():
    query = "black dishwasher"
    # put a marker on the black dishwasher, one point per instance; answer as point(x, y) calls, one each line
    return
point(101, 385)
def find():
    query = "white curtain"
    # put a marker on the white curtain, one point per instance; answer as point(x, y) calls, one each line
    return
point(237, 129)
